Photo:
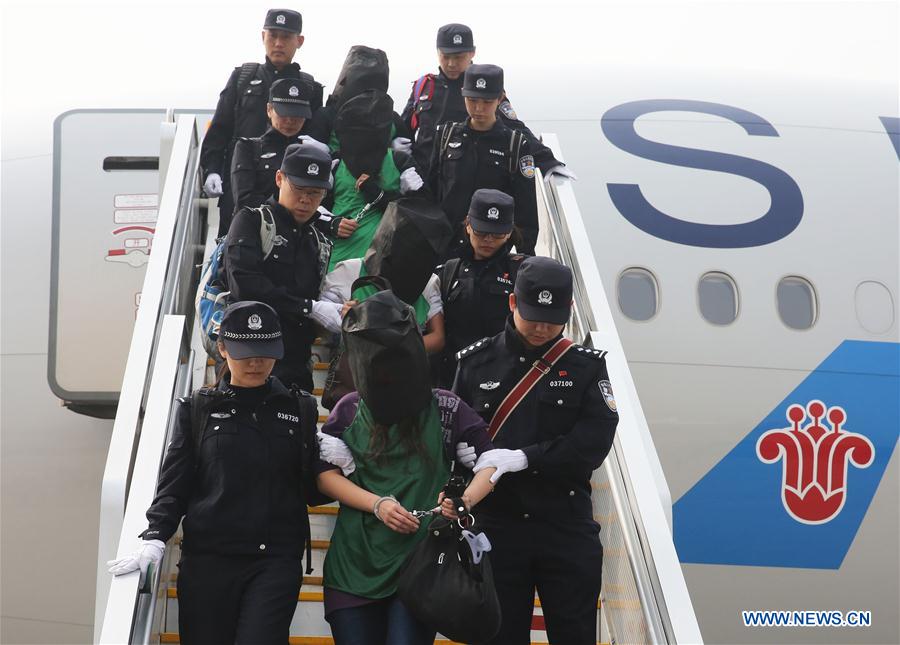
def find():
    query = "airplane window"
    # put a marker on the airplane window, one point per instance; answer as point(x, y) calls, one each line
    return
point(638, 294)
point(796, 302)
point(717, 296)
point(874, 307)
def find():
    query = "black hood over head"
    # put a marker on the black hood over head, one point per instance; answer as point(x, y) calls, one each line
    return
point(410, 240)
point(363, 129)
point(387, 357)
point(365, 68)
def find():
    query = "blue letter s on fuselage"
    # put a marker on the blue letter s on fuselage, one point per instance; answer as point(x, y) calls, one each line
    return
point(783, 215)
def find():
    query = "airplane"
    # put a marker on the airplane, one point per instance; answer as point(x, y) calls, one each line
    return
point(744, 229)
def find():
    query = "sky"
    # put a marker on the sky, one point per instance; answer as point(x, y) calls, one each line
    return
point(159, 54)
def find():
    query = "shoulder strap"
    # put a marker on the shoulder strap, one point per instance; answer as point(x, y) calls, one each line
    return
point(446, 133)
point(448, 276)
point(422, 90)
point(201, 400)
point(266, 229)
point(248, 71)
point(523, 387)
point(515, 148)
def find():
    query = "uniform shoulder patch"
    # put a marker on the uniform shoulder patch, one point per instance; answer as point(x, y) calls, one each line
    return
point(474, 348)
point(506, 109)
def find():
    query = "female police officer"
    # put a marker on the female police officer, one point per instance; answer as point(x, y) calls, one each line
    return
point(475, 287)
point(238, 469)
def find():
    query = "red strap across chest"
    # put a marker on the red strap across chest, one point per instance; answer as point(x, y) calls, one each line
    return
point(523, 387)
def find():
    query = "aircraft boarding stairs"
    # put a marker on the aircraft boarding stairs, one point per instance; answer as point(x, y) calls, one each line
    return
point(644, 597)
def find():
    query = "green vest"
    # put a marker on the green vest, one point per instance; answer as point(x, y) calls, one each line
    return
point(365, 555)
point(348, 202)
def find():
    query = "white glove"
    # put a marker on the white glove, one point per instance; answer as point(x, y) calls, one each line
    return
point(505, 461)
point(465, 454)
point(327, 314)
point(402, 144)
point(561, 171)
point(150, 551)
point(410, 181)
point(315, 143)
point(335, 452)
point(213, 185)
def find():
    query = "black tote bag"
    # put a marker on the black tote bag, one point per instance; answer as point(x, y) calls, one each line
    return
point(443, 588)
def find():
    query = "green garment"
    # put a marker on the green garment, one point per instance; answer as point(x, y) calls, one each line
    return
point(365, 555)
point(348, 202)
point(420, 306)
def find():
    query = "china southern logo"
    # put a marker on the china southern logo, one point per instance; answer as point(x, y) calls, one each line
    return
point(815, 461)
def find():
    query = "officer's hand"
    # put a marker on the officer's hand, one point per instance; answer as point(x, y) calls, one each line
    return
point(397, 518)
point(150, 551)
point(335, 452)
point(402, 144)
point(410, 181)
point(346, 227)
point(307, 140)
point(465, 455)
point(505, 461)
point(346, 307)
point(561, 171)
point(213, 185)
point(327, 314)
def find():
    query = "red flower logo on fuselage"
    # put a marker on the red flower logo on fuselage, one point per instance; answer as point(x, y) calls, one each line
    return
point(815, 461)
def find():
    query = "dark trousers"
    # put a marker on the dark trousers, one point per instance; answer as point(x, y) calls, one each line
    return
point(225, 599)
point(226, 206)
point(293, 369)
point(563, 560)
point(384, 622)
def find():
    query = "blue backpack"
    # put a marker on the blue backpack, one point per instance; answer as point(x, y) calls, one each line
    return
point(212, 293)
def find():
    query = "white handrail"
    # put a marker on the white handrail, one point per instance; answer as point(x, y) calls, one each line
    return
point(119, 608)
point(117, 471)
point(645, 500)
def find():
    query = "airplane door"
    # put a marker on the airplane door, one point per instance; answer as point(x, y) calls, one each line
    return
point(105, 200)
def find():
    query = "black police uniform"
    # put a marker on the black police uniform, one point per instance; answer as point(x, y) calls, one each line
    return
point(241, 111)
point(441, 101)
point(540, 520)
point(257, 159)
point(464, 160)
point(475, 293)
point(242, 486)
point(290, 278)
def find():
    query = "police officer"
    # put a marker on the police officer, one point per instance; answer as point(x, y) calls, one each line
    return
point(482, 152)
point(475, 287)
point(539, 518)
point(437, 98)
point(257, 159)
point(288, 279)
point(239, 469)
point(241, 111)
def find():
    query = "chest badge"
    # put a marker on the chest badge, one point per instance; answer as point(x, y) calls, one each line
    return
point(489, 385)
point(255, 81)
point(267, 155)
point(279, 240)
point(454, 144)
point(220, 415)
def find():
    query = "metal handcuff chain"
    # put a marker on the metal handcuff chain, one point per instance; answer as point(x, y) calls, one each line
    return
point(365, 209)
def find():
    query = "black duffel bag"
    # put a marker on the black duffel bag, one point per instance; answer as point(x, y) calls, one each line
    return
point(444, 589)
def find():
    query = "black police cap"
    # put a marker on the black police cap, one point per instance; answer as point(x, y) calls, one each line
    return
point(483, 82)
point(307, 165)
point(491, 211)
point(455, 38)
point(251, 329)
point(291, 97)
point(544, 290)
point(284, 19)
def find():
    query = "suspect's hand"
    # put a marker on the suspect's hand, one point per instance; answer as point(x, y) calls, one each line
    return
point(397, 518)
point(346, 227)
point(363, 178)
point(346, 307)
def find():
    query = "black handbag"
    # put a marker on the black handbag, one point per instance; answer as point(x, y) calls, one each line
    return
point(443, 588)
